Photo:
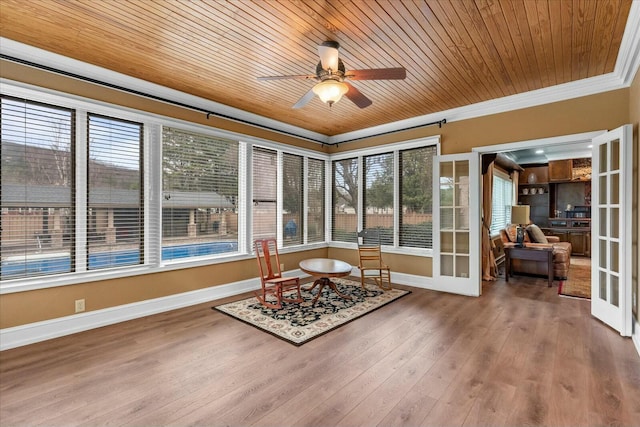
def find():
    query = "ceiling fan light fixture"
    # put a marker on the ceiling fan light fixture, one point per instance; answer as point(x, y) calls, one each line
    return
point(330, 91)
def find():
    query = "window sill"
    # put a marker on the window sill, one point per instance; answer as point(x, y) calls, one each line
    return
point(53, 281)
point(387, 249)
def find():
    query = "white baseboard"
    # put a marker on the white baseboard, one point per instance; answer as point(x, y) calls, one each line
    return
point(54, 328)
point(41, 331)
point(635, 337)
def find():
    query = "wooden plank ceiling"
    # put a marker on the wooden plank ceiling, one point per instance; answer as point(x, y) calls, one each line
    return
point(456, 52)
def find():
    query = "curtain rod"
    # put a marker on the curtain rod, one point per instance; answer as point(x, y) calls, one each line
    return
point(154, 97)
point(199, 109)
point(438, 122)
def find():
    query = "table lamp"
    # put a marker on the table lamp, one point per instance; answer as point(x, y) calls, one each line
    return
point(520, 216)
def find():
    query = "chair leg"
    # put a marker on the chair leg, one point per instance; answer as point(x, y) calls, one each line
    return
point(362, 280)
point(384, 280)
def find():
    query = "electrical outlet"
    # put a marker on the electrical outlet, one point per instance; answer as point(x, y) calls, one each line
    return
point(79, 305)
point(281, 267)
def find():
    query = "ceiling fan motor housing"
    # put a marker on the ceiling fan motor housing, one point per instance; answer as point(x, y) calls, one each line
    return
point(331, 74)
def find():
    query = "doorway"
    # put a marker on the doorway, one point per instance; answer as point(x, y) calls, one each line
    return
point(610, 273)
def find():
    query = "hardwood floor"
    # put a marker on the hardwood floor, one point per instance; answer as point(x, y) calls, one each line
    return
point(518, 355)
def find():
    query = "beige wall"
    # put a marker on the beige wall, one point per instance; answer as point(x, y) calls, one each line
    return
point(590, 113)
point(634, 119)
point(603, 111)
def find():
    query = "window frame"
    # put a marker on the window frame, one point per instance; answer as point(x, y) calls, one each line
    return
point(360, 154)
point(505, 177)
point(152, 181)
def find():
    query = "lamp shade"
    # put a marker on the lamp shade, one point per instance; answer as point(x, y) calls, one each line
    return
point(330, 91)
point(520, 214)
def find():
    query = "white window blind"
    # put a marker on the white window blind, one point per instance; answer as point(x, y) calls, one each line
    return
point(200, 193)
point(37, 194)
point(344, 226)
point(315, 201)
point(292, 199)
point(416, 194)
point(378, 195)
point(502, 199)
point(114, 192)
point(265, 192)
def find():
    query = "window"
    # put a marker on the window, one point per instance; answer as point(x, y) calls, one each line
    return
point(115, 220)
point(101, 200)
point(37, 198)
point(292, 195)
point(396, 196)
point(416, 188)
point(315, 201)
point(345, 200)
point(502, 199)
point(378, 195)
point(265, 186)
point(200, 193)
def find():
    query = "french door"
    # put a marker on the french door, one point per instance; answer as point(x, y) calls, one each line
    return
point(456, 224)
point(611, 184)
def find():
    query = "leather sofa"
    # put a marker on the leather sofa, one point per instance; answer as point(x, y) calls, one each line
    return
point(561, 253)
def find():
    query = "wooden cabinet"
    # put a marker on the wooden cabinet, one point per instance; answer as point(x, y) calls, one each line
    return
point(580, 242)
point(560, 170)
point(562, 235)
point(534, 175)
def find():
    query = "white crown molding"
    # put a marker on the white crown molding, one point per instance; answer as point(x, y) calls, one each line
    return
point(534, 98)
point(626, 67)
point(628, 60)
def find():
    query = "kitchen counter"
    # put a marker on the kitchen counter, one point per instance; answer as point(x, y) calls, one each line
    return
point(575, 224)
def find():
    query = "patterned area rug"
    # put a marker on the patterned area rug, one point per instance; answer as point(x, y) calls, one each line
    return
point(299, 323)
point(578, 284)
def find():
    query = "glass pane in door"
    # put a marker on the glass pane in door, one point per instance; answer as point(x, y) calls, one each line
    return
point(615, 188)
point(603, 222)
point(615, 155)
point(446, 242)
point(614, 254)
point(603, 190)
point(446, 265)
point(462, 243)
point(614, 291)
point(604, 162)
point(615, 224)
point(462, 266)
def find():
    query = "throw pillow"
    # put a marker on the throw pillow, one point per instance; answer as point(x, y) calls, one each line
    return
point(535, 234)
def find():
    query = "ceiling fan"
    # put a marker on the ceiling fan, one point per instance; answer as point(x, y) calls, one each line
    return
point(331, 75)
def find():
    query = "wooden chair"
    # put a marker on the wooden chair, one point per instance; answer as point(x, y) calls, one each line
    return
point(371, 265)
point(271, 277)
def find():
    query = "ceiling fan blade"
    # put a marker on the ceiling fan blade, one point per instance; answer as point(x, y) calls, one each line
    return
point(377, 74)
point(304, 100)
point(357, 97)
point(328, 52)
point(305, 76)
